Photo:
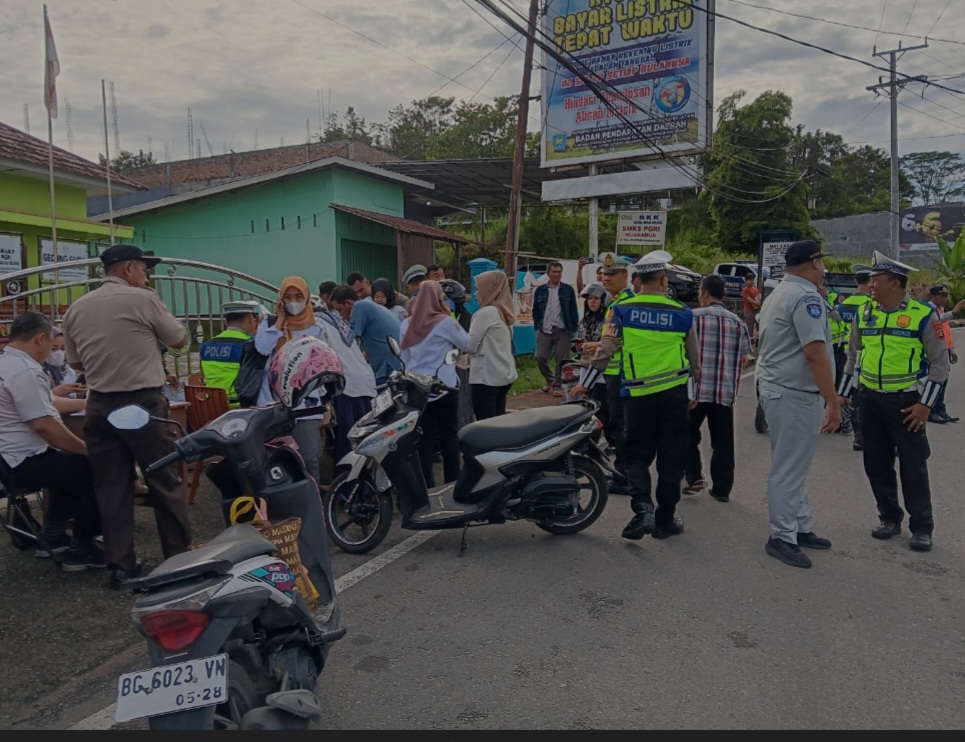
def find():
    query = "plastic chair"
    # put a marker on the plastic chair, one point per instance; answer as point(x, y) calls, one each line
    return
point(196, 379)
point(16, 518)
point(205, 403)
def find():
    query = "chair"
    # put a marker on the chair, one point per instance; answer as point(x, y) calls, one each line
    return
point(16, 518)
point(205, 403)
point(196, 379)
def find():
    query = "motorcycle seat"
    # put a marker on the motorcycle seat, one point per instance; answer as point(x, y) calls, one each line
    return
point(518, 429)
point(230, 547)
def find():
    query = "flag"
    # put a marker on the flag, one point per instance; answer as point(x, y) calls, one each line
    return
point(51, 68)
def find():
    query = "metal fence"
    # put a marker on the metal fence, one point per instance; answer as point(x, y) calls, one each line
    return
point(192, 290)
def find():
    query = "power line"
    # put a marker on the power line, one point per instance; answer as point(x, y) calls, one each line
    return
point(909, 139)
point(925, 113)
point(864, 118)
point(882, 20)
point(913, 8)
point(939, 19)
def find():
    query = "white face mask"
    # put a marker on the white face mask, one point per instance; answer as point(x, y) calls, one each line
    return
point(56, 358)
point(295, 307)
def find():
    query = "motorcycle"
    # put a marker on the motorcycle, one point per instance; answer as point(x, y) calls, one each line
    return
point(233, 644)
point(541, 465)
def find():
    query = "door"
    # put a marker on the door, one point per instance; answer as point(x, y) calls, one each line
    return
point(375, 261)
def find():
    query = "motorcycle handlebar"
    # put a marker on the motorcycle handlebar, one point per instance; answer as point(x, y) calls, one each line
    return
point(161, 463)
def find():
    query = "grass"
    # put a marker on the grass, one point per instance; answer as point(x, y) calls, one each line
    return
point(530, 379)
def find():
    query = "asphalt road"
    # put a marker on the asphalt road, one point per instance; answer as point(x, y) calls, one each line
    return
point(534, 631)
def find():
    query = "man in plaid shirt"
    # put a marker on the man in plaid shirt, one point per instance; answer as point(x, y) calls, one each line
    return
point(724, 343)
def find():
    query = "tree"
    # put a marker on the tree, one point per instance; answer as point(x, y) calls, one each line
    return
point(751, 180)
point(351, 126)
point(410, 131)
point(126, 162)
point(937, 177)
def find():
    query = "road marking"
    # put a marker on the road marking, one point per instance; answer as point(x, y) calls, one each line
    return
point(104, 719)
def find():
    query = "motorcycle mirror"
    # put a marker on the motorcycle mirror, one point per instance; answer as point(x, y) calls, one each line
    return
point(394, 346)
point(130, 417)
point(451, 357)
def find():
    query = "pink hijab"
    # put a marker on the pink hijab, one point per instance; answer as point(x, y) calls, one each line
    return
point(427, 311)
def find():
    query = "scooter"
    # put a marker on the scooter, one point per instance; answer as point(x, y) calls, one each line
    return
point(542, 465)
point(233, 643)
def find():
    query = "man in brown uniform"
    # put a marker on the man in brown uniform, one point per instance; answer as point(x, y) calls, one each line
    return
point(112, 335)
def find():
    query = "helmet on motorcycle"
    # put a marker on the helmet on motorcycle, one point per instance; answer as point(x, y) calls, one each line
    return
point(303, 366)
point(453, 290)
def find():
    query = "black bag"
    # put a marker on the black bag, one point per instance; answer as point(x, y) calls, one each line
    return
point(250, 375)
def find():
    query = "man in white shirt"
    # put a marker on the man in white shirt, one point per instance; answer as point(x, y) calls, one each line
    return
point(40, 452)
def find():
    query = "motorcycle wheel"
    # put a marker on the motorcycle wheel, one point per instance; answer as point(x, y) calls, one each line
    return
point(242, 698)
point(592, 499)
point(357, 515)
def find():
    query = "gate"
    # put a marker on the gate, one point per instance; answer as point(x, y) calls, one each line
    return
point(192, 290)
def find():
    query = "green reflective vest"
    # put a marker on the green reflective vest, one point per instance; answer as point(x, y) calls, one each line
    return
point(613, 367)
point(654, 330)
point(839, 330)
point(221, 360)
point(892, 346)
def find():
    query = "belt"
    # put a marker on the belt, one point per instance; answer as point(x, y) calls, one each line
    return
point(793, 389)
point(146, 390)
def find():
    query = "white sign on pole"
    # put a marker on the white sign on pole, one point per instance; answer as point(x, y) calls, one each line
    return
point(774, 257)
point(11, 253)
point(642, 228)
point(67, 252)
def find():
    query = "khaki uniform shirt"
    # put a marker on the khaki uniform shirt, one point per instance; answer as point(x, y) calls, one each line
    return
point(114, 332)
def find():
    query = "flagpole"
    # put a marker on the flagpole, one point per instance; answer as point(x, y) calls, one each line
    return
point(107, 158)
point(52, 68)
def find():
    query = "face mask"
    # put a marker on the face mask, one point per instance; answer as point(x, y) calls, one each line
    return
point(56, 358)
point(295, 307)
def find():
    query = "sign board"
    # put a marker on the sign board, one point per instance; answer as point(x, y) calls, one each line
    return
point(652, 61)
point(642, 228)
point(67, 252)
point(11, 261)
point(773, 257)
point(920, 226)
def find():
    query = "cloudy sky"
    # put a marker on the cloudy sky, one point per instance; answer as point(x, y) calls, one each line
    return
point(260, 64)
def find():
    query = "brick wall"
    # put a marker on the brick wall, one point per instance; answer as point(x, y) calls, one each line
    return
point(190, 175)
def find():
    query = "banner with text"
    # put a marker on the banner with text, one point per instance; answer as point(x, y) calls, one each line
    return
point(67, 252)
point(920, 226)
point(774, 257)
point(642, 228)
point(650, 56)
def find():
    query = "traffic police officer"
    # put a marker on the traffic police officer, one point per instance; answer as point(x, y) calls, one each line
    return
point(659, 358)
point(795, 369)
point(112, 336)
point(616, 275)
point(894, 334)
point(221, 355)
point(849, 309)
point(840, 332)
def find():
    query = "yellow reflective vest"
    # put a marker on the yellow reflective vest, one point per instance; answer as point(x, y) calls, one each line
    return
point(892, 347)
point(221, 360)
point(613, 367)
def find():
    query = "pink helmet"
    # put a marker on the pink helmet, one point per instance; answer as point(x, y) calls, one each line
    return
point(302, 366)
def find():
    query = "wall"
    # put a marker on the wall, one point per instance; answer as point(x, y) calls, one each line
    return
point(18, 193)
point(858, 236)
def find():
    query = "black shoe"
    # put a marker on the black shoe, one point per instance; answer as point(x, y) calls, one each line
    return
point(787, 552)
point(810, 541)
point(639, 526)
point(858, 446)
point(78, 560)
point(694, 487)
point(920, 541)
point(666, 530)
point(937, 419)
point(949, 419)
point(57, 544)
point(120, 576)
point(720, 498)
point(886, 530)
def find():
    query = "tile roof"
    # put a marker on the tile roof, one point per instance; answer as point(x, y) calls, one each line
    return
point(409, 226)
point(20, 147)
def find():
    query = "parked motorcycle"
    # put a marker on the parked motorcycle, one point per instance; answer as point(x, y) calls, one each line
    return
point(542, 465)
point(233, 642)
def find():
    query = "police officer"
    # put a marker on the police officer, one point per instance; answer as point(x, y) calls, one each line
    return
point(894, 334)
point(658, 362)
point(616, 280)
point(795, 369)
point(221, 355)
point(112, 336)
point(849, 309)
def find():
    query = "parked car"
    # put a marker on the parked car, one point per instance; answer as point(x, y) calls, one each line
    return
point(684, 283)
point(735, 275)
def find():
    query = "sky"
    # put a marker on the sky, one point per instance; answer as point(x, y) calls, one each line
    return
point(267, 65)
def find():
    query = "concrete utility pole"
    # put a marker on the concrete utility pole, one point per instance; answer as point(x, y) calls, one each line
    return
point(516, 196)
point(894, 86)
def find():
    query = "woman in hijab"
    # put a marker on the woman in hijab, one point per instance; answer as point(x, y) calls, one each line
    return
point(63, 379)
point(493, 368)
point(383, 293)
point(589, 333)
point(427, 336)
point(294, 318)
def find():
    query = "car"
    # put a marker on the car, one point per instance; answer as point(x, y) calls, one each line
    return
point(684, 283)
point(735, 274)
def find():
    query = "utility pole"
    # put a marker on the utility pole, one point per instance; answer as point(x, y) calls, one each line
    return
point(894, 86)
point(516, 194)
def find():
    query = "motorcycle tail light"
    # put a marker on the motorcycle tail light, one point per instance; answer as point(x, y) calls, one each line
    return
point(175, 631)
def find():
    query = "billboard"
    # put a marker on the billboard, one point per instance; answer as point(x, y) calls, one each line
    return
point(67, 252)
point(920, 226)
point(773, 257)
point(654, 52)
point(642, 228)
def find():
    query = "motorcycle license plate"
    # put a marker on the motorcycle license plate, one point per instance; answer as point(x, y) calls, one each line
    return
point(382, 403)
point(163, 690)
